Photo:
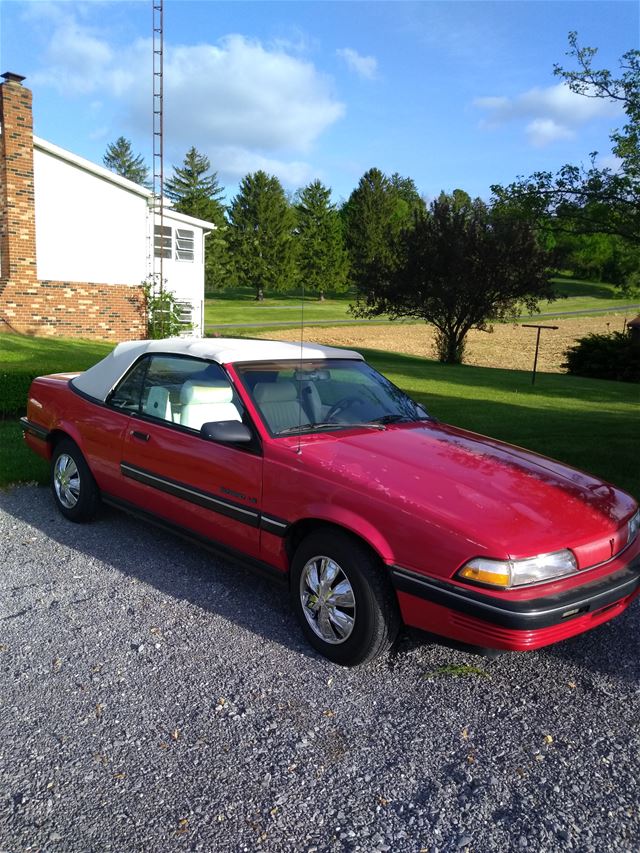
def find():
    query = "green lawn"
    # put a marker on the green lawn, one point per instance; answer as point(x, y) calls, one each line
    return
point(591, 424)
point(578, 295)
point(239, 306)
point(51, 354)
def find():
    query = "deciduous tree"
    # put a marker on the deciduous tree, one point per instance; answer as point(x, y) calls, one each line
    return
point(591, 199)
point(459, 267)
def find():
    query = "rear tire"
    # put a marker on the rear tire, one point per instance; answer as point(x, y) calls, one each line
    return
point(74, 488)
point(344, 602)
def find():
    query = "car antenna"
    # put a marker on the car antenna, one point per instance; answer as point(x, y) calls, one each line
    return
point(299, 451)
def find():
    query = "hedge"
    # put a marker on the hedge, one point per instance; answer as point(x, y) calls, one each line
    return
point(14, 388)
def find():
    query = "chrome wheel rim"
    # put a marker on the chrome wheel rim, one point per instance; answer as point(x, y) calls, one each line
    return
point(328, 601)
point(66, 481)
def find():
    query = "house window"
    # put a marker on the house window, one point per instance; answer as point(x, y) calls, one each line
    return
point(184, 245)
point(184, 312)
point(162, 241)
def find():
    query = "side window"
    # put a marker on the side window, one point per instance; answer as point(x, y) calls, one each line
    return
point(188, 392)
point(162, 241)
point(128, 393)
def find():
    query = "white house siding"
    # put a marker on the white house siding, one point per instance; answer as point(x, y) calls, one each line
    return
point(185, 279)
point(87, 228)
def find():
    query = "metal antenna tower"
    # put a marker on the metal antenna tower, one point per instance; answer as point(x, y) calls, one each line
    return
point(158, 235)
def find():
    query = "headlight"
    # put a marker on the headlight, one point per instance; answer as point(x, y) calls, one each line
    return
point(633, 526)
point(509, 573)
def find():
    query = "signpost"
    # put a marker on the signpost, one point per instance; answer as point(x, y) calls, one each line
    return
point(535, 360)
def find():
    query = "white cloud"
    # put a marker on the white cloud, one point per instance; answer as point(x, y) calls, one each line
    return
point(237, 162)
point(76, 59)
point(542, 131)
point(553, 113)
point(239, 100)
point(363, 66)
point(238, 92)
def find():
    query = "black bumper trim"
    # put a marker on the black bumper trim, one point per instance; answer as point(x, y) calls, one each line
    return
point(35, 429)
point(522, 615)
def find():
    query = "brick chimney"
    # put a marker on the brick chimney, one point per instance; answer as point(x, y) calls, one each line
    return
point(17, 205)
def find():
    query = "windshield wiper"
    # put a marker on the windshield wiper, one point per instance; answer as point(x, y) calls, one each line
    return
point(398, 419)
point(322, 425)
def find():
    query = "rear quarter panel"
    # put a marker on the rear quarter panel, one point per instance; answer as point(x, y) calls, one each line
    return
point(96, 429)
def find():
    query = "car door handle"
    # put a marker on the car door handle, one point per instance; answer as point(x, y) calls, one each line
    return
point(143, 436)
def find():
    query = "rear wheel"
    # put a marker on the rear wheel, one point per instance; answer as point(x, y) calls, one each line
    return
point(344, 602)
point(74, 488)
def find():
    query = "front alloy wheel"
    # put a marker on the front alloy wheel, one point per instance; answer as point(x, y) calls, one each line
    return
point(343, 598)
point(327, 599)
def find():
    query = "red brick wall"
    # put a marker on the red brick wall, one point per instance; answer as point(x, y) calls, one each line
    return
point(74, 310)
point(17, 207)
point(60, 308)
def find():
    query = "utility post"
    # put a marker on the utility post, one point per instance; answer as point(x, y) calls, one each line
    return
point(535, 359)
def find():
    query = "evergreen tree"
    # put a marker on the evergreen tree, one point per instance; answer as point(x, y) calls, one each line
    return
point(372, 219)
point(322, 259)
point(408, 200)
point(261, 235)
point(194, 190)
point(119, 158)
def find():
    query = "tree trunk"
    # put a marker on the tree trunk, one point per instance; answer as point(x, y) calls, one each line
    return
point(260, 295)
point(450, 346)
point(321, 297)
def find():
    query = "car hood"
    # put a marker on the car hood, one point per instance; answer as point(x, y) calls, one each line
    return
point(505, 496)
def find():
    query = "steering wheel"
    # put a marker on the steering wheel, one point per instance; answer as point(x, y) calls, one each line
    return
point(341, 405)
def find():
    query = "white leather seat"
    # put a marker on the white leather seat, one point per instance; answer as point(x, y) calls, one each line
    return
point(158, 403)
point(202, 404)
point(279, 404)
point(312, 402)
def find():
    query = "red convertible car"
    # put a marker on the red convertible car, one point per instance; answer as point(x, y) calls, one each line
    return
point(311, 465)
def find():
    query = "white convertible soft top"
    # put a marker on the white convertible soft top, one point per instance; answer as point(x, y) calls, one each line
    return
point(99, 380)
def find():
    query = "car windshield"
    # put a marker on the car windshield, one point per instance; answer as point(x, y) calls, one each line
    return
point(315, 396)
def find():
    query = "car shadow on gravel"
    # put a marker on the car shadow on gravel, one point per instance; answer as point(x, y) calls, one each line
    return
point(188, 572)
point(175, 567)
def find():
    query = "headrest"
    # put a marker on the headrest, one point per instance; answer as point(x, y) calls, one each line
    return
point(214, 392)
point(274, 392)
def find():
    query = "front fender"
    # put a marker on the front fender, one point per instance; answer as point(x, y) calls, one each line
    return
point(354, 523)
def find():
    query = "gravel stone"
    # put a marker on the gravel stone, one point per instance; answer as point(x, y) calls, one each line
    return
point(156, 698)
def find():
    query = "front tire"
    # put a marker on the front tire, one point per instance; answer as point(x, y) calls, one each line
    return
point(344, 602)
point(74, 489)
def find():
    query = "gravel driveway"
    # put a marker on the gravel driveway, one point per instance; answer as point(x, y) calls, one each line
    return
point(155, 698)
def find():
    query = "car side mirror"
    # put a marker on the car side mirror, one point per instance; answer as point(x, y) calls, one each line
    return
point(226, 432)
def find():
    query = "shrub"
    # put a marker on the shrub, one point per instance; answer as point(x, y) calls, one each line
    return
point(14, 387)
point(163, 313)
point(611, 356)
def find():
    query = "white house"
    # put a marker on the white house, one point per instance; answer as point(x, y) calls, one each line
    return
point(77, 241)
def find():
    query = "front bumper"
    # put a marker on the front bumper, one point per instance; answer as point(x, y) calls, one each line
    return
point(472, 617)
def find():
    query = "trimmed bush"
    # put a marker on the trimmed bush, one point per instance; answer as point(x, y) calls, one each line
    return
point(612, 356)
point(14, 387)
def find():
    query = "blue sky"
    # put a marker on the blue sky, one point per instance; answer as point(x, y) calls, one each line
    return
point(452, 94)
